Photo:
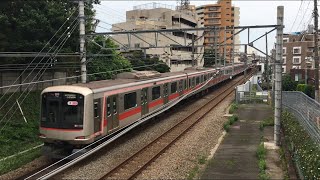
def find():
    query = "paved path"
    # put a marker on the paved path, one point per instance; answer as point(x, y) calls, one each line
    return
point(236, 155)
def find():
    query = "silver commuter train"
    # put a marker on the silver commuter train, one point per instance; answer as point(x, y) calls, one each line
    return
point(79, 114)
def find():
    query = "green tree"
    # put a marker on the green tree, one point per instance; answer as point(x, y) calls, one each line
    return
point(27, 26)
point(307, 89)
point(105, 66)
point(137, 60)
point(288, 84)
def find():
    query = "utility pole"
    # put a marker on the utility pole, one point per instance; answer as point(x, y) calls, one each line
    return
point(82, 42)
point(278, 76)
point(215, 48)
point(316, 53)
point(246, 60)
point(192, 48)
point(267, 63)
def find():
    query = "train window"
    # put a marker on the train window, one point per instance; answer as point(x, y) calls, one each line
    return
point(173, 87)
point(155, 92)
point(96, 109)
point(205, 77)
point(180, 85)
point(202, 79)
point(193, 81)
point(108, 107)
point(114, 105)
point(53, 108)
point(185, 84)
point(190, 83)
point(130, 100)
point(198, 80)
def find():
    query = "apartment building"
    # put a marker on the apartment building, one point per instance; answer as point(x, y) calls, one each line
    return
point(160, 16)
point(219, 15)
point(297, 51)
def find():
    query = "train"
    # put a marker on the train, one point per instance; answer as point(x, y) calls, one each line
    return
point(79, 114)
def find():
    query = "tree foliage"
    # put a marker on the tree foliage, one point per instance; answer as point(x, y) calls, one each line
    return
point(141, 63)
point(107, 66)
point(288, 84)
point(27, 26)
point(307, 89)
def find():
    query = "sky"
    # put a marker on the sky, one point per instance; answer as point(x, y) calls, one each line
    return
point(297, 14)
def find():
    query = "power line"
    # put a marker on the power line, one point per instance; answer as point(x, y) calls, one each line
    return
point(42, 50)
point(303, 16)
point(296, 15)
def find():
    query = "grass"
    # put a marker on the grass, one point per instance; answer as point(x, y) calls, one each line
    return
point(232, 119)
point(195, 170)
point(233, 108)
point(17, 135)
point(261, 155)
point(266, 122)
point(284, 163)
point(18, 161)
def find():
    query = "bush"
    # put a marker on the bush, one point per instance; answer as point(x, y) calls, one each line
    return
point(233, 108)
point(307, 89)
point(226, 126)
point(304, 149)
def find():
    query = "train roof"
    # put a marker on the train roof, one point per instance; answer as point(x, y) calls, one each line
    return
point(126, 80)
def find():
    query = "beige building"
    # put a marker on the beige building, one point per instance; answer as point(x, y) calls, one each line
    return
point(160, 16)
point(219, 15)
point(297, 51)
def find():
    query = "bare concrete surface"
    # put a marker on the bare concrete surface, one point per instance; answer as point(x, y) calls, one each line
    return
point(273, 161)
point(236, 156)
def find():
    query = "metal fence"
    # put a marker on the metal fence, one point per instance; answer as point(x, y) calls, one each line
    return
point(305, 109)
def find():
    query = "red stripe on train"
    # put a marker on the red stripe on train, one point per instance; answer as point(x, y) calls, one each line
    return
point(130, 113)
point(56, 129)
point(173, 96)
point(155, 103)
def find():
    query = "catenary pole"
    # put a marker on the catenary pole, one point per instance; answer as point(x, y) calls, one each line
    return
point(82, 42)
point(316, 53)
point(278, 76)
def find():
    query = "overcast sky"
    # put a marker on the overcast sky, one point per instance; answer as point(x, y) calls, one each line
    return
point(297, 14)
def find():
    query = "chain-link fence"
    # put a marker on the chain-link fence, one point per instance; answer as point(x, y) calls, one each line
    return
point(305, 109)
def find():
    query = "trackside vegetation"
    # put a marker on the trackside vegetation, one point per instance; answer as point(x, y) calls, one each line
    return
point(16, 135)
point(305, 151)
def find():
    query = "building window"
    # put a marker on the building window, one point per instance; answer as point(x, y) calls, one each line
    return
point(284, 50)
point(213, 8)
point(130, 100)
point(297, 77)
point(296, 50)
point(155, 92)
point(296, 60)
point(283, 69)
point(285, 40)
point(284, 60)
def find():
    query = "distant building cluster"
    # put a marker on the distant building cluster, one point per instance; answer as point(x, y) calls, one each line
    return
point(161, 16)
point(297, 52)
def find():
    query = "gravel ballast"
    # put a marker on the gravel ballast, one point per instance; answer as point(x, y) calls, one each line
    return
point(175, 163)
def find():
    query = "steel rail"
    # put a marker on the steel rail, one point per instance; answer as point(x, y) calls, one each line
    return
point(223, 93)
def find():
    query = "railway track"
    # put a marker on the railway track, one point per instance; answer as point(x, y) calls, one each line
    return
point(63, 164)
point(135, 164)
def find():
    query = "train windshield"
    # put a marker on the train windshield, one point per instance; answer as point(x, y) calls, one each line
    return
point(62, 110)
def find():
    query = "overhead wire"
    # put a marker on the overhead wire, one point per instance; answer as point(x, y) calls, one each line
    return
point(296, 15)
point(22, 94)
point(35, 67)
point(41, 51)
point(303, 16)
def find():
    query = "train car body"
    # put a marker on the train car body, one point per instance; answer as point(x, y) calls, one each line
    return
point(79, 114)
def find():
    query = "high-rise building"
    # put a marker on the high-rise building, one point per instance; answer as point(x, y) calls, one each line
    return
point(160, 16)
point(220, 15)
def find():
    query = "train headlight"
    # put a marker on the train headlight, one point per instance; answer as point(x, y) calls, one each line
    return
point(42, 136)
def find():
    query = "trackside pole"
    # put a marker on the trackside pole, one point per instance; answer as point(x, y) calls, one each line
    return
point(278, 76)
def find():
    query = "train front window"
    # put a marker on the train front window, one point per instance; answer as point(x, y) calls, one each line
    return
point(62, 110)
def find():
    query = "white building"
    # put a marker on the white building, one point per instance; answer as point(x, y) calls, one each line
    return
point(159, 16)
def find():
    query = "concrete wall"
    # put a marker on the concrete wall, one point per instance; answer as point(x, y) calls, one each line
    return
point(10, 78)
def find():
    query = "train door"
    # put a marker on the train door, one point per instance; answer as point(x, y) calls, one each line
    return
point(112, 112)
point(165, 93)
point(144, 101)
point(180, 90)
point(97, 114)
